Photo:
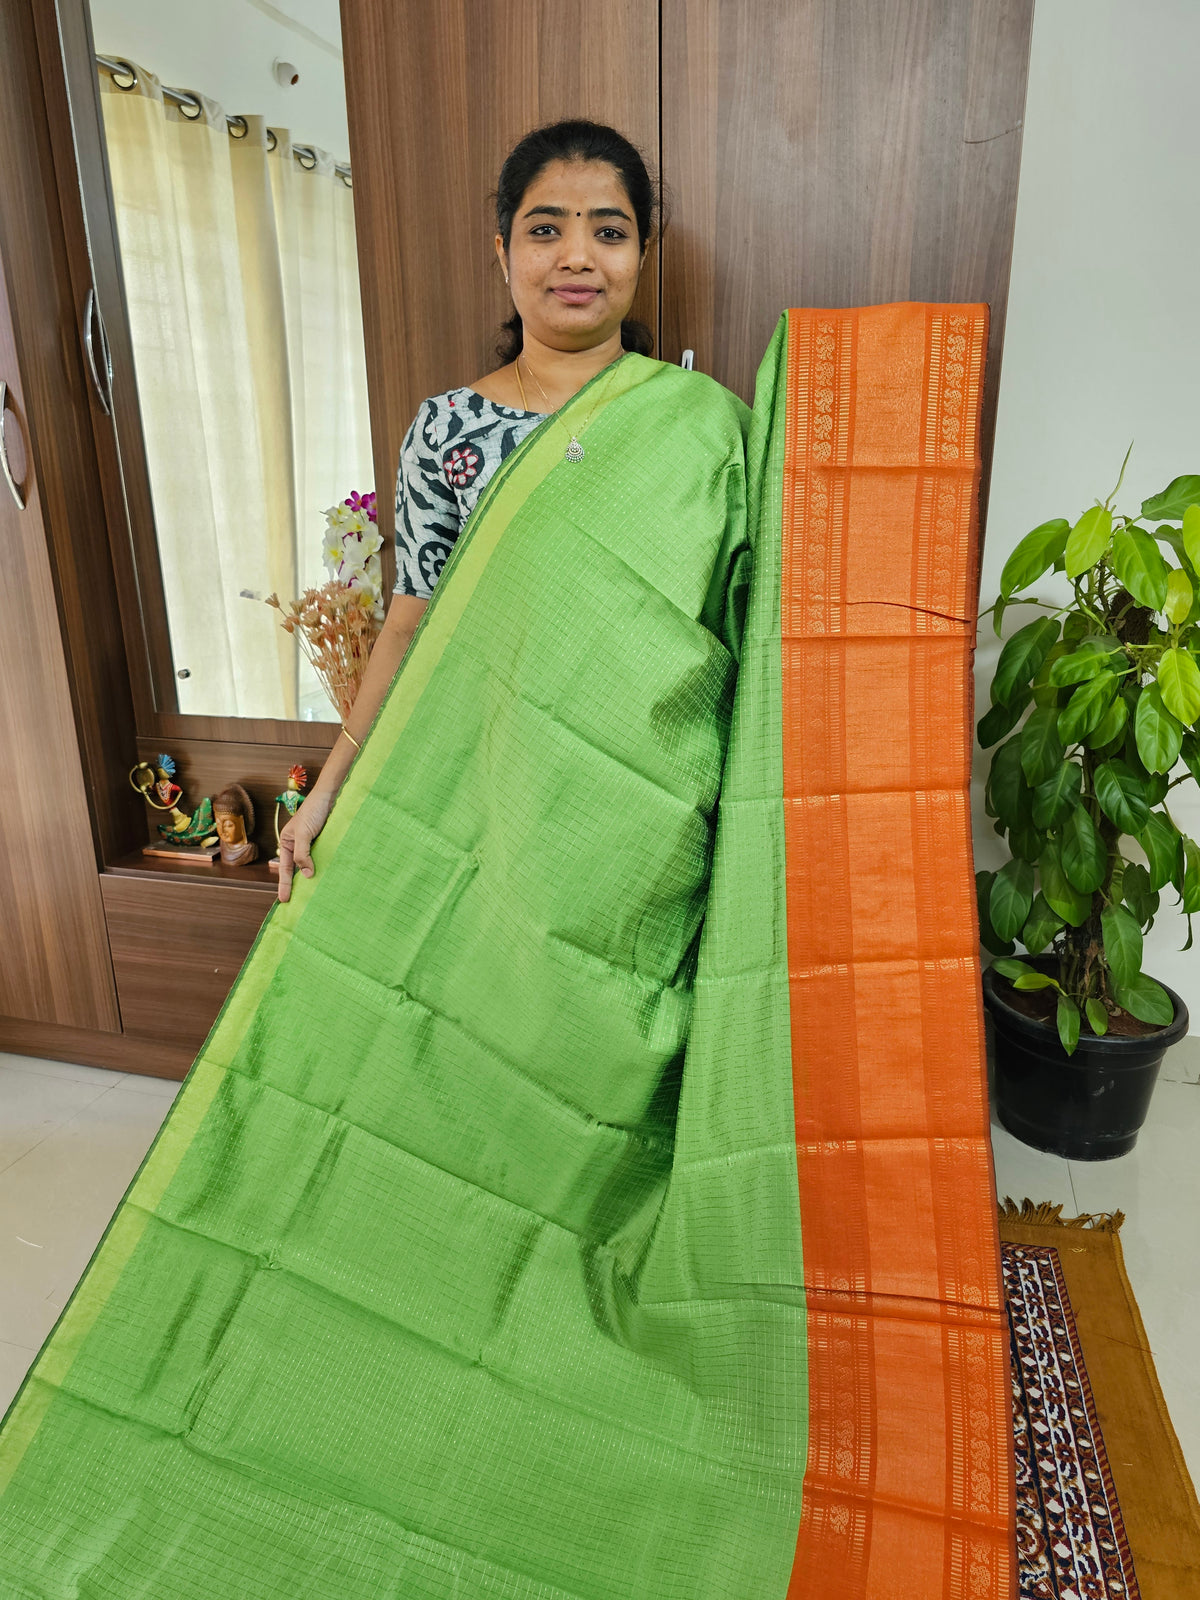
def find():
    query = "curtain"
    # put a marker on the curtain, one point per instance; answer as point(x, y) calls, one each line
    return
point(241, 280)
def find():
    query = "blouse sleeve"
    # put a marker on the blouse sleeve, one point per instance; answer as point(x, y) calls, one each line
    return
point(427, 513)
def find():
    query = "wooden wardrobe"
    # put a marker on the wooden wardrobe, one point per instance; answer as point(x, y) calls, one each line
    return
point(812, 152)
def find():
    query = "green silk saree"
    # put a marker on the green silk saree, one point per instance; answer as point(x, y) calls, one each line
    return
point(469, 1260)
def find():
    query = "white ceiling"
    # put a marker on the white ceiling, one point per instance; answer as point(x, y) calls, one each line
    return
point(226, 49)
point(314, 17)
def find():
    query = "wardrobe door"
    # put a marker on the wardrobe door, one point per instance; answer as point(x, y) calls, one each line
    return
point(55, 964)
point(836, 153)
point(437, 95)
point(54, 960)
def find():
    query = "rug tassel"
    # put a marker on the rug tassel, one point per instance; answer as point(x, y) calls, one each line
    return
point(1046, 1214)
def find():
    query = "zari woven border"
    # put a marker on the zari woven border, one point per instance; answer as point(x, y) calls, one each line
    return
point(910, 1452)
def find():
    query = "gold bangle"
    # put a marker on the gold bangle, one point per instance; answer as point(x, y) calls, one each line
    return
point(351, 737)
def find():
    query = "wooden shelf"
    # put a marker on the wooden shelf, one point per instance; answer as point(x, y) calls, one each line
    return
point(257, 876)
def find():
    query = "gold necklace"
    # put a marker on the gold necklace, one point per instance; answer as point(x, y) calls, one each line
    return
point(574, 450)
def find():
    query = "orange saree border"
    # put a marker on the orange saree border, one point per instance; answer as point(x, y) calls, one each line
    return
point(909, 1487)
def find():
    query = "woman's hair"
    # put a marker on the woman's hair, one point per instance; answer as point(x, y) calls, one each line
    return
point(574, 141)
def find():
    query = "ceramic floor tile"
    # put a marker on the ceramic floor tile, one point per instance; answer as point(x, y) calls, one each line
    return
point(15, 1362)
point(1024, 1173)
point(139, 1083)
point(57, 1200)
point(27, 1316)
point(34, 1104)
point(1157, 1186)
point(62, 1069)
point(1181, 1064)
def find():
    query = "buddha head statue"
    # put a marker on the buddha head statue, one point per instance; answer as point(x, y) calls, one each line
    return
point(233, 811)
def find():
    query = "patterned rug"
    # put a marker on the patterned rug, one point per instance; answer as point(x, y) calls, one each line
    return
point(1071, 1541)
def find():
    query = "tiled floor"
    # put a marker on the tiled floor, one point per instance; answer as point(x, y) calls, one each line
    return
point(71, 1139)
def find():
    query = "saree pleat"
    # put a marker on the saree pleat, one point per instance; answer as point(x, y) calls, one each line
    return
point(583, 1192)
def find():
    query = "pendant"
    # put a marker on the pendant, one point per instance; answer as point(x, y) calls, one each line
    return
point(574, 451)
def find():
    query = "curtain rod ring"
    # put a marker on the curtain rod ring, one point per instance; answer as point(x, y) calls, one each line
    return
point(272, 141)
point(302, 150)
point(238, 127)
point(190, 105)
point(126, 69)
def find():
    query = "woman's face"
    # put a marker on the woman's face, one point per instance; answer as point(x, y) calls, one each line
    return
point(574, 258)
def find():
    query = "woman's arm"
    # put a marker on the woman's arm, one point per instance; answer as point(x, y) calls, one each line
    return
point(298, 833)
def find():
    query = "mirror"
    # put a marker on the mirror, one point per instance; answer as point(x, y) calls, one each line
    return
point(228, 154)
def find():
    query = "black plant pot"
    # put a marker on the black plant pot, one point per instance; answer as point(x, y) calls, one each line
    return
point(1088, 1106)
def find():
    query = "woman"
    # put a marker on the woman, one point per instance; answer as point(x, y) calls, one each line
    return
point(584, 1191)
point(574, 213)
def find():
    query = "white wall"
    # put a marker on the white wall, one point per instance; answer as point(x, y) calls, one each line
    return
point(225, 49)
point(1103, 335)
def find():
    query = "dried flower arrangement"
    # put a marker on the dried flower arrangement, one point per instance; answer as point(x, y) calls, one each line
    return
point(337, 624)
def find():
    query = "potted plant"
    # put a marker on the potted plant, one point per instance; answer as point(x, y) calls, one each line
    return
point(1094, 704)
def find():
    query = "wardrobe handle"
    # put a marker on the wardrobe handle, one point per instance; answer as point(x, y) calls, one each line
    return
point(93, 319)
point(688, 360)
point(8, 477)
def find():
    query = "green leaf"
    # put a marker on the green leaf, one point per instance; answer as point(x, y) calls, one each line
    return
point(1086, 660)
point(1172, 503)
point(1121, 795)
point(1097, 1017)
point(1189, 749)
point(1159, 734)
point(1179, 683)
point(1116, 878)
point(987, 934)
point(1068, 1020)
point(1141, 899)
point(1088, 540)
point(995, 724)
point(1122, 943)
point(1180, 595)
point(998, 610)
point(1190, 536)
point(1058, 796)
point(1111, 725)
point(1021, 658)
point(1138, 563)
point(1026, 841)
point(1190, 887)
point(1037, 553)
point(1011, 898)
point(1011, 969)
point(1037, 980)
point(1041, 925)
point(1008, 795)
point(1086, 707)
point(1160, 840)
point(1061, 895)
point(1157, 784)
point(1165, 534)
point(1041, 747)
point(1146, 1000)
point(1084, 857)
point(1044, 694)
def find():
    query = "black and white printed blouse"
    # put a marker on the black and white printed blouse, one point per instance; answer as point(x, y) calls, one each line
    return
point(455, 443)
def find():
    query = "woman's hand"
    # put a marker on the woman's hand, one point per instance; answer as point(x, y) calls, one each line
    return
point(296, 837)
point(298, 833)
